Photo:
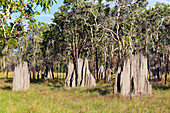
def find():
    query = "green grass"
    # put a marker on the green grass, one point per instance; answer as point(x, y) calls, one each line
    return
point(51, 97)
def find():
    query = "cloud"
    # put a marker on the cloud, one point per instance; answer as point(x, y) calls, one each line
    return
point(45, 15)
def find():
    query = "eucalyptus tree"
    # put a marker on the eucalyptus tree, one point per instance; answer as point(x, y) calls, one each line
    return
point(157, 33)
point(79, 23)
point(32, 52)
point(25, 11)
point(122, 25)
point(68, 23)
point(9, 59)
point(51, 46)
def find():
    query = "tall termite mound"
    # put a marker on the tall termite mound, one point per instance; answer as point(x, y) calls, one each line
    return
point(131, 78)
point(85, 78)
point(21, 80)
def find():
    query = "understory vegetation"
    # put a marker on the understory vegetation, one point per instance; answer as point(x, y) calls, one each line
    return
point(50, 96)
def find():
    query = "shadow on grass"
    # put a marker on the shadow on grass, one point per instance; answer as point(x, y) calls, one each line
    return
point(37, 81)
point(103, 90)
point(3, 78)
point(9, 80)
point(162, 87)
point(56, 83)
point(100, 91)
point(6, 88)
point(43, 80)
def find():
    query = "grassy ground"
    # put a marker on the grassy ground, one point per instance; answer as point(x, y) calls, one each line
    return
point(51, 97)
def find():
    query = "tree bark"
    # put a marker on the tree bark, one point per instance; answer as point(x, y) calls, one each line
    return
point(148, 57)
point(60, 70)
point(93, 61)
point(52, 71)
point(75, 59)
point(38, 76)
point(5, 67)
point(167, 68)
point(75, 55)
point(97, 69)
point(46, 71)
point(63, 71)
point(34, 69)
point(57, 70)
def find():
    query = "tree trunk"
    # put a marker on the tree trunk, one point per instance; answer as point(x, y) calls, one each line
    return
point(46, 71)
point(93, 66)
point(149, 69)
point(30, 74)
point(5, 67)
point(34, 74)
point(57, 70)
point(106, 69)
point(93, 61)
point(63, 71)
point(107, 63)
point(60, 70)
point(34, 69)
point(52, 71)
point(97, 69)
point(38, 76)
point(167, 68)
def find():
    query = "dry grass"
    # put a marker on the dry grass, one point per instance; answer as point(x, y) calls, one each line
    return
point(50, 96)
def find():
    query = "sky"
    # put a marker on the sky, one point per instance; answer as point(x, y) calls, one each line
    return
point(47, 17)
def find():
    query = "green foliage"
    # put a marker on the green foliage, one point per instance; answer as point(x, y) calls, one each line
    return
point(25, 10)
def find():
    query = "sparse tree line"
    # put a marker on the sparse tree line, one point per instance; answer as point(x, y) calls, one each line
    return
point(105, 35)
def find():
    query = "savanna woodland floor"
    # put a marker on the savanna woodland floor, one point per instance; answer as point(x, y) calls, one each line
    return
point(50, 96)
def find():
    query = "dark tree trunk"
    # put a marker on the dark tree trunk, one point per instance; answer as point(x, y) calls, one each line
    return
point(97, 65)
point(52, 71)
point(42, 75)
point(5, 67)
point(76, 59)
point(167, 68)
point(38, 76)
point(148, 57)
point(30, 75)
point(60, 70)
point(46, 71)
point(34, 74)
point(57, 70)
point(63, 72)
